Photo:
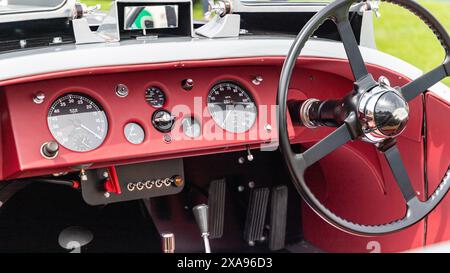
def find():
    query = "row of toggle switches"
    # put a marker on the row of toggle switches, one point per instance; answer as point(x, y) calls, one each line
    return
point(176, 181)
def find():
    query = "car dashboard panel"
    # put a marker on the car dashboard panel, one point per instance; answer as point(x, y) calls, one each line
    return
point(138, 113)
point(95, 125)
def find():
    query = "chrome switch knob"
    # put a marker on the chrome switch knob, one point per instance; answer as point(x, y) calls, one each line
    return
point(168, 242)
point(39, 98)
point(187, 84)
point(50, 149)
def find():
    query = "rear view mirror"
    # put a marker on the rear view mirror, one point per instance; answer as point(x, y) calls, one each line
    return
point(150, 17)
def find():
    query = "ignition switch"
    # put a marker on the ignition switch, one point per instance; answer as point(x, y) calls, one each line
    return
point(163, 120)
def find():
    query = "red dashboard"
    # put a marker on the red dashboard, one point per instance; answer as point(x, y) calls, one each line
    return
point(25, 128)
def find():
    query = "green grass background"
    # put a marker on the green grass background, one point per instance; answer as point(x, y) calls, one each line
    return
point(400, 33)
point(397, 32)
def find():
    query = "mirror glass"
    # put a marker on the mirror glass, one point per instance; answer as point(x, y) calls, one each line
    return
point(150, 17)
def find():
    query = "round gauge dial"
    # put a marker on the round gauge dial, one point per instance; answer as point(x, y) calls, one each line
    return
point(191, 127)
point(155, 96)
point(134, 133)
point(232, 107)
point(77, 122)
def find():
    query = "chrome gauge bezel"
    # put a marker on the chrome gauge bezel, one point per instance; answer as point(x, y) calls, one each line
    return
point(140, 133)
point(148, 97)
point(66, 140)
point(216, 118)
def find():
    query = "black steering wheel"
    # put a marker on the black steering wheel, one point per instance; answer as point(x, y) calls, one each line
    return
point(373, 112)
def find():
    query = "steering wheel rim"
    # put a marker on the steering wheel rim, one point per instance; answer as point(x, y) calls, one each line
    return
point(350, 127)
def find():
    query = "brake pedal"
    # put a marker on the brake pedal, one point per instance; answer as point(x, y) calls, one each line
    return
point(216, 204)
point(278, 217)
point(256, 215)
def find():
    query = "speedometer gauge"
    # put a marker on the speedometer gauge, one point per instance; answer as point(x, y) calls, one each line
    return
point(77, 122)
point(232, 107)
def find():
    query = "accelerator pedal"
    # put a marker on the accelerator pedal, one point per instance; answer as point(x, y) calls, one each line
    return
point(278, 217)
point(256, 215)
point(216, 204)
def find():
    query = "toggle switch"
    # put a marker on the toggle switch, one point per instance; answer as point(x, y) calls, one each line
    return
point(249, 154)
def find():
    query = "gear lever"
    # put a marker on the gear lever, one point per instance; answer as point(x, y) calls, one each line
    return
point(201, 217)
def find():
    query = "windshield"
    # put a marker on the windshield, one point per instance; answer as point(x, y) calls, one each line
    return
point(15, 6)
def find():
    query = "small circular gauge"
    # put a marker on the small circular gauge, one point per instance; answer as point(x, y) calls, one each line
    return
point(77, 122)
point(155, 96)
point(191, 127)
point(232, 107)
point(134, 133)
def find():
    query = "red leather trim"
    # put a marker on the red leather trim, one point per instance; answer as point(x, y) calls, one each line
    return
point(438, 160)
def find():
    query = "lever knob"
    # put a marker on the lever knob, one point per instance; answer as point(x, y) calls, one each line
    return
point(50, 149)
point(168, 242)
point(201, 216)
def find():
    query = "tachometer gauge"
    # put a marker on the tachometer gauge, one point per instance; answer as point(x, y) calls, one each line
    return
point(232, 107)
point(191, 127)
point(155, 96)
point(77, 122)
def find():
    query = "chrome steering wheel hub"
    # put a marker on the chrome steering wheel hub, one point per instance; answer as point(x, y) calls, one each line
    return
point(383, 113)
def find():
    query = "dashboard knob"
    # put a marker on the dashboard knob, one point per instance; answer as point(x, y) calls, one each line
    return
point(163, 120)
point(177, 181)
point(187, 84)
point(122, 90)
point(50, 149)
point(168, 242)
point(39, 98)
